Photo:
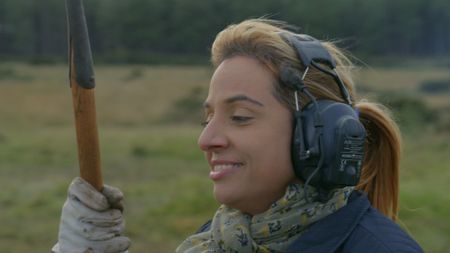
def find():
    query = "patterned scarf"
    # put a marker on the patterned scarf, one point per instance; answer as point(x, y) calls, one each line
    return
point(272, 231)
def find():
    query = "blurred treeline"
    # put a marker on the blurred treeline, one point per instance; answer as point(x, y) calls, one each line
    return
point(149, 31)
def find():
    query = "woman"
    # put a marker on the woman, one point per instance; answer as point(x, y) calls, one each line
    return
point(266, 81)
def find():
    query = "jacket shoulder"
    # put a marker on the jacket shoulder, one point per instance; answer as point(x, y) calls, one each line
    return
point(377, 233)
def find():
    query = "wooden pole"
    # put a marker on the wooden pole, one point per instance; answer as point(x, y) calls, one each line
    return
point(82, 84)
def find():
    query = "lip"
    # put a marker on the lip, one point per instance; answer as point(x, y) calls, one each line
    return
point(223, 168)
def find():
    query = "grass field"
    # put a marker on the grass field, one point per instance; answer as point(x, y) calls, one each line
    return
point(154, 158)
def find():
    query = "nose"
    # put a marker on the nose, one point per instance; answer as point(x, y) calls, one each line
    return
point(213, 137)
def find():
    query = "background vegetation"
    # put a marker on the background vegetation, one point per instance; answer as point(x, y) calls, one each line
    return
point(148, 118)
point(181, 31)
point(152, 78)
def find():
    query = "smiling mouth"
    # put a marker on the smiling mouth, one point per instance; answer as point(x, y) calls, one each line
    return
point(220, 171)
point(221, 167)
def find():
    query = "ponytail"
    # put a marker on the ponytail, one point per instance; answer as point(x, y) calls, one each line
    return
point(380, 172)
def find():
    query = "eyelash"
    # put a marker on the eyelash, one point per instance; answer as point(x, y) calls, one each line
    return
point(204, 123)
point(241, 119)
point(237, 119)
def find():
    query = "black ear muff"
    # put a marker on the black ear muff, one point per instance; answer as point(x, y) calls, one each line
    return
point(328, 138)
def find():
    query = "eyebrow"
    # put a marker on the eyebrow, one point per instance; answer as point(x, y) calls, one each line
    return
point(238, 98)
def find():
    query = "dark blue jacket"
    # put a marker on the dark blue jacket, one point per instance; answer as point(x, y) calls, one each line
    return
point(355, 228)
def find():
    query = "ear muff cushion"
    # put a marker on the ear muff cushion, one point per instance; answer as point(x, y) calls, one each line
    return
point(325, 131)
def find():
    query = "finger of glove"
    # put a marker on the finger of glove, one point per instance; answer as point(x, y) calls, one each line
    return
point(82, 221)
point(75, 210)
point(114, 196)
point(90, 231)
point(96, 233)
point(78, 244)
point(81, 190)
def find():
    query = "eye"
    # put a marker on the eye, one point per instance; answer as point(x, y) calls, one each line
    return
point(240, 119)
point(206, 121)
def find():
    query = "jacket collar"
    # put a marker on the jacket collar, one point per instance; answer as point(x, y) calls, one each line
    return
point(328, 234)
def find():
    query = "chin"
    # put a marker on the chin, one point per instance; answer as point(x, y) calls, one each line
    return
point(224, 195)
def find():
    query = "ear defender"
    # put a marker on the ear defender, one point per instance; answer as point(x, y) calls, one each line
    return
point(328, 138)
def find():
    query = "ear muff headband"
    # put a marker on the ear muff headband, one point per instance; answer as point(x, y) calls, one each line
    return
point(311, 52)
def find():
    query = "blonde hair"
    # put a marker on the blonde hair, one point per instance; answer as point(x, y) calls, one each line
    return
point(260, 39)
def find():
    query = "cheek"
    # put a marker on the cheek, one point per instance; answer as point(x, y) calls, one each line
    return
point(273, 157)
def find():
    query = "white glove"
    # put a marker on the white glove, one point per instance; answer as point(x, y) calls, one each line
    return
point(91, 222)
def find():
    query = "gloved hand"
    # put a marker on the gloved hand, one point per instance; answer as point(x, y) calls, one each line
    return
point(91, 222)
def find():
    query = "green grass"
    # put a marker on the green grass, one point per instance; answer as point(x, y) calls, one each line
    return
point(423, 200)
point(157, 164)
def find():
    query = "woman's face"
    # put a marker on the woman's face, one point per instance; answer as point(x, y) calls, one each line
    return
point(247, 136)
